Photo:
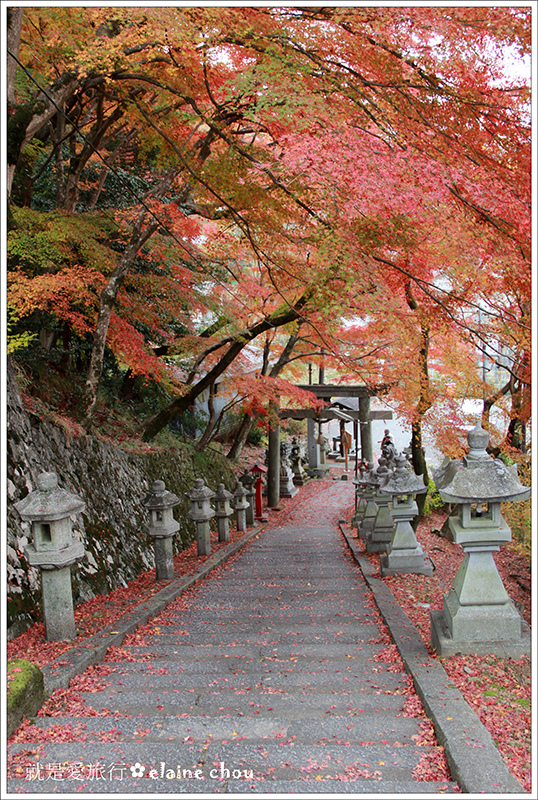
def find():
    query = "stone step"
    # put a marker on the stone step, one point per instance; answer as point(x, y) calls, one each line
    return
point(293, 683)
point(266, 635)
point(329, 786)
point(175, 663)
point(209, 786)
point(355, 730)
point(200, 622)
point(257, 675)
point(313, 650)
point(295, 706)
point(264, 759)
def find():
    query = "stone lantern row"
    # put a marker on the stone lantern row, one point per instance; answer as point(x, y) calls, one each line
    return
point(478, 616)
point(54, 548)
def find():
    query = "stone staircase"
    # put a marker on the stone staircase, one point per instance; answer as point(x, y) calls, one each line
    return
point(271, 676)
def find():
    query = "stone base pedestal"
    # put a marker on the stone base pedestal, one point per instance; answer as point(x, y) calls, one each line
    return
point(447, 645)
point(381, 535)
point(408, 561)
point(367, 523)
point(379, 540)
point(359, 513)
point(318, 472)
point(287, 487)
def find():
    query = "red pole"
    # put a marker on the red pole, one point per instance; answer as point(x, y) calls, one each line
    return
point(258, 498)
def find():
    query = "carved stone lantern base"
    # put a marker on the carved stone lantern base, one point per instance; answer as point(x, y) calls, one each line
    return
point(478, 616)
point(410, 560)
point(381, 534)
point(364, 529)
point(509, 633)
point(405, 553)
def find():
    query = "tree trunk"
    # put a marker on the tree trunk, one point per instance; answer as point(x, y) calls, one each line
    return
point(108, 298)
point(515, 435)
point(490, 401)
point(247, 422)
point(28, 119)
point(206, 436)
point(178, 407)
point(423, 404)
point(241, 437)
point(14, 26)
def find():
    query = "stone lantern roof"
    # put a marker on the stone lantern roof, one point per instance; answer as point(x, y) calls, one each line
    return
point(199, 493)
point(159, 498)
point(403, 480)
point(479, 478)
point(48, 502)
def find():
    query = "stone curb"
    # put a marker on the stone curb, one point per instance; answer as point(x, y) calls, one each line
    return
point(58, 673)
point(474, 760)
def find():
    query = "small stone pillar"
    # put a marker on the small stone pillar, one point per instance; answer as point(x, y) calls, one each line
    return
point(201, 512)
point(240, 504)
point(248, 482)
point(162, 527)
point(53, 550)
point(223, 512)
point(404, 553)
point(478, 616)
point(259, 470)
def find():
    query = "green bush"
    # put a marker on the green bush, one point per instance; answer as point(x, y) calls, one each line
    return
point(433, 498)
point(256, 436)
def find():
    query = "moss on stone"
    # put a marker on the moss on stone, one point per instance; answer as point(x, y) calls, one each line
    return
point(25, 692)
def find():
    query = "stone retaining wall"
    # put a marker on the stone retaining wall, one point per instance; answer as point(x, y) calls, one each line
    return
point(112, 483)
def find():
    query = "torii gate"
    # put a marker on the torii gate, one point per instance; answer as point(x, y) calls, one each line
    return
point(325, 392)
point(362, 417)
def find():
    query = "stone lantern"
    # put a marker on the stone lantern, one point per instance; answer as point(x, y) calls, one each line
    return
point(201, 512)
point(478, 616)
point(404, 553)
point(248, 482)
point(53, 550)
point(240, 504)
point(381, 533)
point(162, 527)
point(223, 512)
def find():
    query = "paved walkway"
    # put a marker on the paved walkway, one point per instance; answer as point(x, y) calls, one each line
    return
point(275, 677)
